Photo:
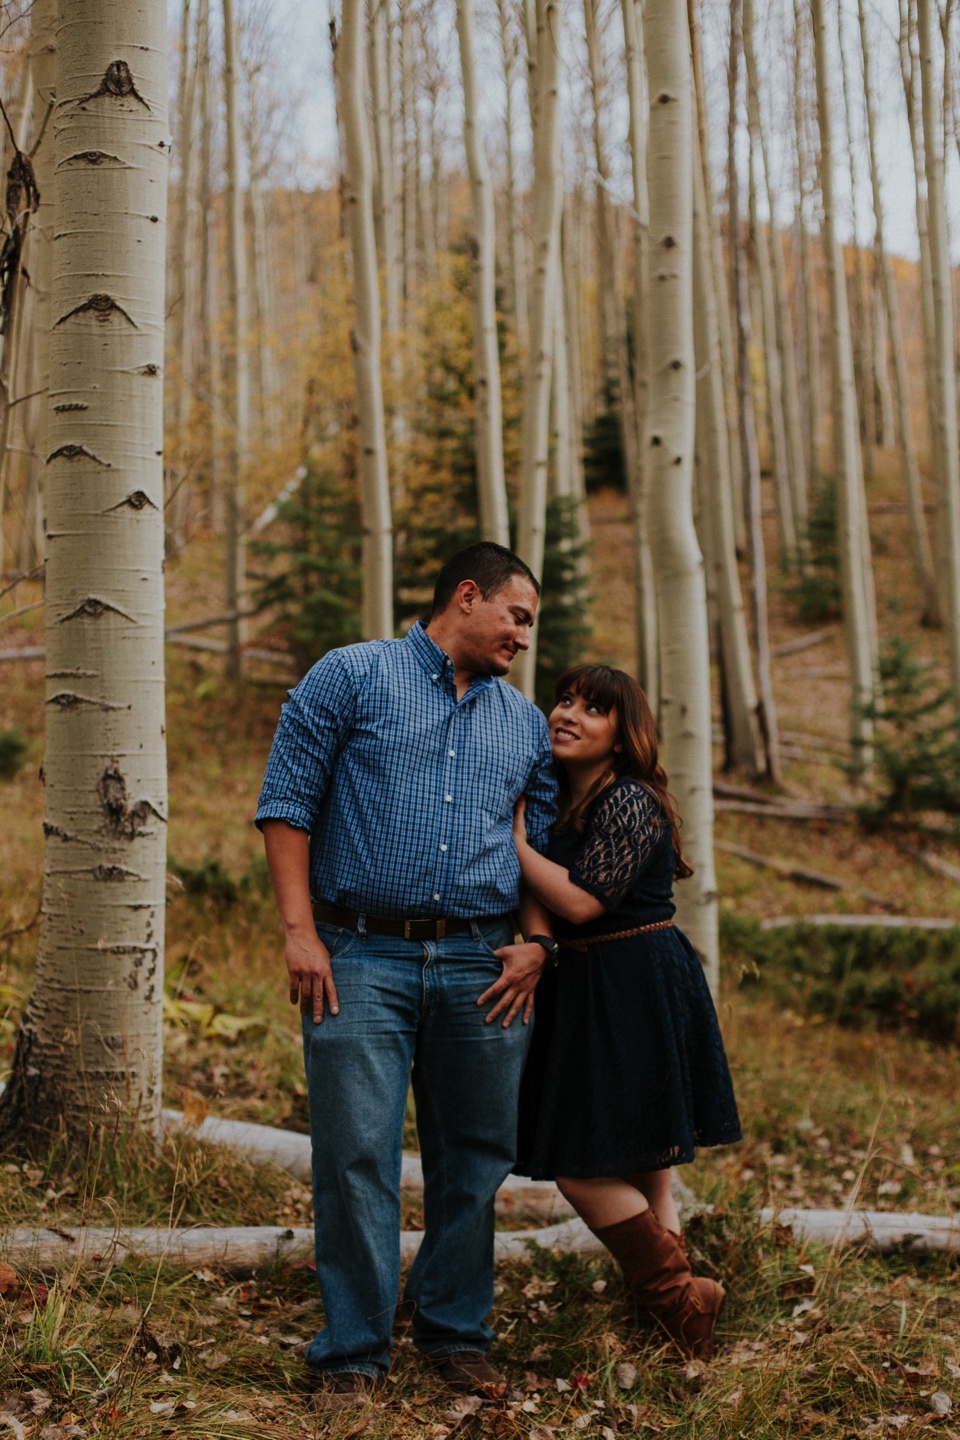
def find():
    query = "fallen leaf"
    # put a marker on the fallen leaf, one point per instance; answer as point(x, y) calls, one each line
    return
point(62, 1432)
point(598, 1287)
point(626, 1375)
point(463, 1405)
point(562, 1385)
point(940, 1402)
point(216, 1360)
point(9, 1279)
point(580, 1382)
point(162, 1407)
point(541, 1432)
point(12, 1423)
point(734, 1397)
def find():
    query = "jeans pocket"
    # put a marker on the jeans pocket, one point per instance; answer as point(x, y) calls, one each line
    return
point(336, 938)
point(493, 940)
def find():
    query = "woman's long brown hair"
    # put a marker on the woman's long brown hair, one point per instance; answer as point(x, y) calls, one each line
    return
point(637, 758)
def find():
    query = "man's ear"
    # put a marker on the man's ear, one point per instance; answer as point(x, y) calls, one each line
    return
point(468, 593)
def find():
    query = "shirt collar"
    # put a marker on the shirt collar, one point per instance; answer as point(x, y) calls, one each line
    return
point(437, 662)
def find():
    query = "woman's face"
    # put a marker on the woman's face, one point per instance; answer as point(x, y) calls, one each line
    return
point(580, 732)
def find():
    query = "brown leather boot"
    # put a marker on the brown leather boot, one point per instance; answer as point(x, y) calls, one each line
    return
point(658, 1279)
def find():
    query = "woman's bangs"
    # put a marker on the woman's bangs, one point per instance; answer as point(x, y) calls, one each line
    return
point(594, 683)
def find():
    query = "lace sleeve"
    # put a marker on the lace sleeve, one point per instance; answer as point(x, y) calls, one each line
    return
point(621, 836)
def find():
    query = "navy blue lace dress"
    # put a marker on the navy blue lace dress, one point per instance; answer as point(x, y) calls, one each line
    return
point(627, 1071)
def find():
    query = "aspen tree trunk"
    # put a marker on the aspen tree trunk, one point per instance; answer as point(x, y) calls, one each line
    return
point(886, 413)
point(210, 286)
point(491, 482)
point(386, 170)
point(762, 243)
point(408, 151)
point(568, 282)
point(713, 455)
point(238, 408)
point(807, 272)
point(374, 482)
point(766, 711)
point(89, 1048)
point(859, 622)
point(517, 246)
point(909, 66)
point(922, 553)
point(547, 211)
point(943, 304)
point(678, 564)
point(862, 347)
point(644, 588)
point(264, 308)
point(186, 300)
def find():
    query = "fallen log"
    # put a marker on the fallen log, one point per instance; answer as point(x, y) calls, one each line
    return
point(785, 809)
point(26, 652)
point(859, 922)
point(239, 1250)
point(790, 870)
point(804, 642)
point(931, 861)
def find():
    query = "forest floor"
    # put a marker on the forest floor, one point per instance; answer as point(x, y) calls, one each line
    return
point(811, 1341)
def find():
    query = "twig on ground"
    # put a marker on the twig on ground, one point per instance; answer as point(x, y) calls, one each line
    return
point(804, 642)
point(860, 922)
point(931, 861)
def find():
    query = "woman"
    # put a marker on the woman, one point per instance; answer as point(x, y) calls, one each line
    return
point(627, 1071)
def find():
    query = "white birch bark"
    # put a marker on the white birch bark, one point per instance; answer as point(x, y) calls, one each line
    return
point(762, 241)
point(713, 456)
point(678, 564)
point(853, 537)
point(408, 152)
point(238, 407)
point(806, 277)
point(387, 197)
point(945, 367)
point(517, 243)
point(264, 299)
point(647, 643)
point(766, 710)
point(547, 211)
point(89, 1048)
point(491, 482)
point(886, 410)
point(890, 301)
point(374, 482)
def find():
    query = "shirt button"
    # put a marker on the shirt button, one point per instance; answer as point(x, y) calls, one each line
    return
point(443, 847)
point(434, 677)
point(448, 798)
point(436, 897)
point(451, 752)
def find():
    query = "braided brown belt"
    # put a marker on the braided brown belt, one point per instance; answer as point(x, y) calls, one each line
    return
point(582, 945)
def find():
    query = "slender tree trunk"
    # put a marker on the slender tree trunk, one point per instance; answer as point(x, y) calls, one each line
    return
point(238, 408)
point(886, 411)
point(678, 564)
point(909, 67)
point(862, 347)
point(853, 537)
point(184, 305)
point(943, 304)
point(491, 482)
point(571, 306)
point(386, 169)
point(89, 1047)
point(922, 553)
point(766, 712)
point(374, 482)
point(517, 246)
point(210, 286)
point(713, 455)
point(807, 273)
point(644, 587)
point(408, 150)
point(264, 300)
point(547, 212)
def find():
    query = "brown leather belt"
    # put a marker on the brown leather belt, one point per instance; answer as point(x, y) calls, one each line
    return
point(405, 929)
point(582, 945)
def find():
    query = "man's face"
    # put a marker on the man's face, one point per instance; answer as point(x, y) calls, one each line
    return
point(492, 631)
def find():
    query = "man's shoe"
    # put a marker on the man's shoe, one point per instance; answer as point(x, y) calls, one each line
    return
point(470, 1372)
point(340, 1389)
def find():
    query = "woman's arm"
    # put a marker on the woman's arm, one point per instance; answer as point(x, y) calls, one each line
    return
point(550, 883)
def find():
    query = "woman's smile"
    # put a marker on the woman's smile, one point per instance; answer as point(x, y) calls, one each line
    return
point(581, 731)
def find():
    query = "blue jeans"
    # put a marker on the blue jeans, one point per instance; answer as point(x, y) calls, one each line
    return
point(406, 1004)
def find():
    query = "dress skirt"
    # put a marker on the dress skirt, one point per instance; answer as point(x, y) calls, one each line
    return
point(626, 1071)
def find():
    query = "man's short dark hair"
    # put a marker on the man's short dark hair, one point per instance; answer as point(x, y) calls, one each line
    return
point(488, 565)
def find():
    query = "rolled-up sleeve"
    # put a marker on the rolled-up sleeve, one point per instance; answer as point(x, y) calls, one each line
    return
point(541, 793)
point(313, 725)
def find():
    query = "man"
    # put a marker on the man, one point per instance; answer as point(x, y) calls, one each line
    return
point(386, 811)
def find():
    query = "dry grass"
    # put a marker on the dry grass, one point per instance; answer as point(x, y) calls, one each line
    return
point(824, 1110)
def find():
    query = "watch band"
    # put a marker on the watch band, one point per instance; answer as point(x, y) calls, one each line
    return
point(551, 946)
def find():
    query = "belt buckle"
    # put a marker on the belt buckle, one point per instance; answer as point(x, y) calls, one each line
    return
point(406, 929)
point(441, 927)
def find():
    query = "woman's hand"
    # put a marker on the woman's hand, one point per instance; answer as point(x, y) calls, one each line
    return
point(520, 823)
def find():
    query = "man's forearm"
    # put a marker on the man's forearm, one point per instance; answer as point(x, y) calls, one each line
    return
point(288, 860)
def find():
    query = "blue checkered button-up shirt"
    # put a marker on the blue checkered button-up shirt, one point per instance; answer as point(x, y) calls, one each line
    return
point(408, 793)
